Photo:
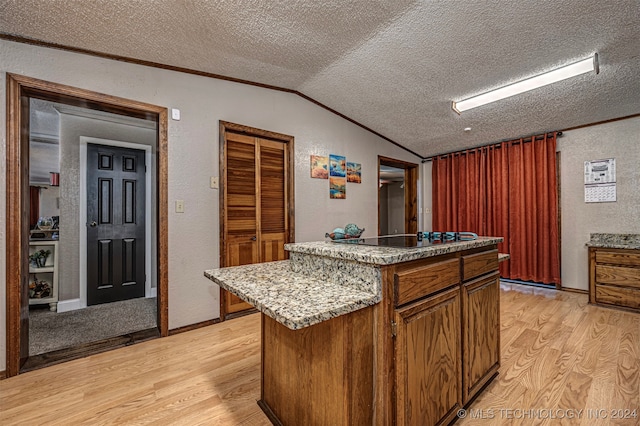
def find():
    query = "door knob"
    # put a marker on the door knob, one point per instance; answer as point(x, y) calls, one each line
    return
point(93, 224)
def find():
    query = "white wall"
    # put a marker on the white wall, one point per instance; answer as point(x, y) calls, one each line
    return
point(619, 140)
point(193, 158)
point(49, 201)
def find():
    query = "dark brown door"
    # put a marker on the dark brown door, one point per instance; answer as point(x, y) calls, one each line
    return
point(115, 224)
point(255, 204)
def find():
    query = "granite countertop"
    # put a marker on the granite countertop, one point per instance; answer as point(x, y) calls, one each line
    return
point(293, 299)
point(385, 255)
point(619, 241)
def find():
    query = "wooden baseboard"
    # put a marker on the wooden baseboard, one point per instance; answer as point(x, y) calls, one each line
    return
point(240, 314)
point(193, 326)
point(3, 374)
point(574, 290)
point(81, 351)
point(269, 413)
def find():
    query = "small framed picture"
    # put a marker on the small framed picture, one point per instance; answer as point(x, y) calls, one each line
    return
point(353, 172)
point(337, 188)
point(337, 166)
point(319, 167)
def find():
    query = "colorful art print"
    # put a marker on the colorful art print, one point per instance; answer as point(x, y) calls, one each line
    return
point(353, 172)
point(337, 166)
point(338, 188)
point(319, 167)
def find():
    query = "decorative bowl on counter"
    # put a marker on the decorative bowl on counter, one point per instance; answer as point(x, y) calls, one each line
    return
point(350, 231)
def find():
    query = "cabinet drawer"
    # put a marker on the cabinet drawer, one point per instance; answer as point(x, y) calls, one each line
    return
point(618, 258)
point(619, 296)
point(421, 281)
point(618, 275)
point(478, 264)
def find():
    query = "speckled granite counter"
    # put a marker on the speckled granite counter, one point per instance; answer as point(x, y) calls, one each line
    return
point(323, 280)
point(617, 241)
point(385, 255)
point(293, 299)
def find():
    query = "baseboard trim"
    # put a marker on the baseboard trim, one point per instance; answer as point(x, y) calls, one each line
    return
point(193, 326)
point(574, 290)
point(153, 292)
point(3, 374)
point(69, 305)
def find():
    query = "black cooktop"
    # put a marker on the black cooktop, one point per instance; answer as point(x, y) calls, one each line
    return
point(421, 239)
point(402, 241)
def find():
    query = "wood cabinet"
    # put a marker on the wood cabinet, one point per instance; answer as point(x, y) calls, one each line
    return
point(428, 364)
point(614, 277)
point(480, 332)
point(415, 358)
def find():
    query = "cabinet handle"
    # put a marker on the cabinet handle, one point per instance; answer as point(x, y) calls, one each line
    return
point(254, 238)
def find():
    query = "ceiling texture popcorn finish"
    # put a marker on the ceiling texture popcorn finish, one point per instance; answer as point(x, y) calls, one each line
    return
point(392, 66)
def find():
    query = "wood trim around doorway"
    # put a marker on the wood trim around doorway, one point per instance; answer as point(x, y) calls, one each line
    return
point(19, 90)
point(226, 126)
point(410, 192)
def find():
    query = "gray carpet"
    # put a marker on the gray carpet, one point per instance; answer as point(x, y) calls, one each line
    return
point(51, 331)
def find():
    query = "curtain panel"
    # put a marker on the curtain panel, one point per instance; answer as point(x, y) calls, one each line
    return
point(507, 190)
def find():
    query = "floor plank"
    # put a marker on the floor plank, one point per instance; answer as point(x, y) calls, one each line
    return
point(558, 353)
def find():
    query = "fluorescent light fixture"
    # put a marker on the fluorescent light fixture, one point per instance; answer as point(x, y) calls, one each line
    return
point(577, 68)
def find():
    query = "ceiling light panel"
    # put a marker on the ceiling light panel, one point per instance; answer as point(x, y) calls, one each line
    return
point(559, 74)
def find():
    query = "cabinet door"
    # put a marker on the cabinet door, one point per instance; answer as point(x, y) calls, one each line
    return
point(428, 364)
point(481, 332)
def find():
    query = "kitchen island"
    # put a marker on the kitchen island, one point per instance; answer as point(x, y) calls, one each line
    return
point(373, 335)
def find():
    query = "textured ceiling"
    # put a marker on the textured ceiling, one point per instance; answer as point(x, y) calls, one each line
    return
point(393, 66)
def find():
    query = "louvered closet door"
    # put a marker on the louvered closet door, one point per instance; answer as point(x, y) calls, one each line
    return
point(255, 206)
point(241, 228)
point(273, 207)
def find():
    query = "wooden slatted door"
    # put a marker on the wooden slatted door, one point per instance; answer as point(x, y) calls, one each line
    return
point(254, 205)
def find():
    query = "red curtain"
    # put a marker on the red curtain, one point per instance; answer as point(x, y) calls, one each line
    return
point(507, 190)
point(34, 205)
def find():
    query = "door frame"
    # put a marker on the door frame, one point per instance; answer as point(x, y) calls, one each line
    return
point(84, 140)
point(20, 89)
point(251, 131)
point(410, 192)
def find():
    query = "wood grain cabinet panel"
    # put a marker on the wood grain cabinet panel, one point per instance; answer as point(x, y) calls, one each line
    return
point(478, 264)
point(428, 364)
point(480, 333)
point(422, 280)
point(614, 277)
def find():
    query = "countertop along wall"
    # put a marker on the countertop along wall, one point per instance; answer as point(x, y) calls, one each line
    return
point(619, 140)
point(193, 159)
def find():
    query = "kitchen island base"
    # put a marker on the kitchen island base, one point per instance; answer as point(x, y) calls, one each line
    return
point(320, 374)
point(418, 346)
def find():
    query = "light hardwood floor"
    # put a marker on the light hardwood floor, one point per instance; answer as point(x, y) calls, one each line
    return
point(557, 353)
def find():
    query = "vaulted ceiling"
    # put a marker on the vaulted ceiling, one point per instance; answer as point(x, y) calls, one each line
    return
point(393, 66)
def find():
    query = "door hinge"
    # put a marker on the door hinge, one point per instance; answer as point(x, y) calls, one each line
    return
point(394, 329)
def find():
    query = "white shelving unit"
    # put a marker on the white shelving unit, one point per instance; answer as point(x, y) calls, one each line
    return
point(49, 273)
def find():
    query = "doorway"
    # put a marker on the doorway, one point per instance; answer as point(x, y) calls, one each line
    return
point(256, 201)
point(20, 90)
point(397, 197)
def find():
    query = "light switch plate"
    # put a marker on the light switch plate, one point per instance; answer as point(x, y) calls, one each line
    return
point(215, 184)
point(179, 206)
point(175, 113)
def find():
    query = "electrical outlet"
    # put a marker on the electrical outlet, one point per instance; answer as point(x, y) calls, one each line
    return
point(214, 182)
point(179, 206)
point(427, 210)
